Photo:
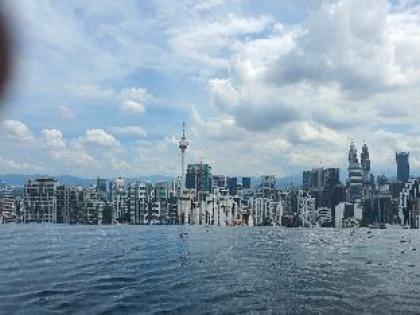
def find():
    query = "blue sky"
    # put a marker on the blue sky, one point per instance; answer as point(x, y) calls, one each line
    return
point(102, 88)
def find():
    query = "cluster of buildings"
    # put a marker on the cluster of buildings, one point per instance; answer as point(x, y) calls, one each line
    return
point(201, 198)
point(205, 200)
point(362, 200)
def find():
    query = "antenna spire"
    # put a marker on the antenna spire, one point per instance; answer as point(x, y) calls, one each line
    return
point(183, 145)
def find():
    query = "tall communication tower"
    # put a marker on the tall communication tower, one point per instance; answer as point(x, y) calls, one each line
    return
point(183, 144)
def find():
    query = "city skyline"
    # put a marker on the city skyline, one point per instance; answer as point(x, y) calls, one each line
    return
point(200, 197)
point(267, 88)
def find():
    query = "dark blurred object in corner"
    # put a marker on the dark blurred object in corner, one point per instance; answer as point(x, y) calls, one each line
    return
point(5, 54)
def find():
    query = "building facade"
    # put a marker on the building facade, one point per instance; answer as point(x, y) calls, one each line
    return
point(403, 166)
point(40, 200)
point(199, 177)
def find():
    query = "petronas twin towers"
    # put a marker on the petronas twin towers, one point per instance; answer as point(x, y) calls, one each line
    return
point(359, 173)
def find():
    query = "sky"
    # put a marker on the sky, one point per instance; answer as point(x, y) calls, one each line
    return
point(264, 87)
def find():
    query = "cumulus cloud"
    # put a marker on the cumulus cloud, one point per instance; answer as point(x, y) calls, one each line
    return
point(16, 130)
point(309, 133)
point(64, 151)
point(203, 42)
point(319, 88)
point(76, 158)
point(133, 99)
point(255, 112)
point(133, 107)
point(53, 138)
point(8, 165)
point(101, 137)
point(358, 55)
point(268, 95)
point(220, 128)
point(223, 93)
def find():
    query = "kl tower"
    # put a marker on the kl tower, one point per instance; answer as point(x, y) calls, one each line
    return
point(183, 144)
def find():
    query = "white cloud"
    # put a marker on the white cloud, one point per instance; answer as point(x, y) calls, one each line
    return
point(309, 133)
point(223, 93)
point(220, 128)
point(102, 138)
point(77, 159)
point(133, 107)
point(17, 130)
point(8, 165)
point(358, 56)
point(66, 153)
point(268, 95)
point(204, 41)
point(316, 89)
point(53, 138)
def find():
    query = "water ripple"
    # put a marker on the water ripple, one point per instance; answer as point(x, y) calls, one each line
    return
point(189, 269)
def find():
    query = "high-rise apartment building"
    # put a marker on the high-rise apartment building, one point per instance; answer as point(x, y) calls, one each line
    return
point(8, 209)
point(119, 198)
point(137, 203)
point(40, 200)
point(160, 209)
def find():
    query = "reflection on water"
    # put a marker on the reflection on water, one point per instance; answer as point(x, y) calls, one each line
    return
point(85, 269)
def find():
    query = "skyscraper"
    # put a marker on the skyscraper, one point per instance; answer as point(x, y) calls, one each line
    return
point(320, 178)
point(325, 186)
point(232, 184)
point(307, 179)
point(331, 178)
point(198, 177)
point(365, 163)
point(403, 166)
point(355, 179)
point(246, 182)
point(101, 188)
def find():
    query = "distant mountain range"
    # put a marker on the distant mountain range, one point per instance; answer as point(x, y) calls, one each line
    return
point(20, 179)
